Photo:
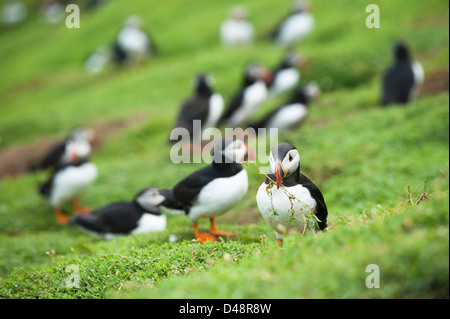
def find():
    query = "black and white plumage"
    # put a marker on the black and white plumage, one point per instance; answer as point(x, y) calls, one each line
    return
point(69, 180)
point(58, 153)
point(204, 106)
point(133, 46)
point(250, 96)
point(236, 31)
point(214, 189)
point(286, 75)
point(401, 82)
point(292, 113)
point(287, 195)
point(295, 27)
point(139, 216)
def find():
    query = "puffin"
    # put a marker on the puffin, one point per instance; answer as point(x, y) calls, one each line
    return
point(295, 27)
point(57, 154)
point(292, 113)
point(287, 198)
point(402, 81)
point(286, 75)
point(139, 216)
point(70, 179)
point(133, 46)
point(236, 31)
point(13, 12)
point(251, 95)
point(213, 190)
point(205, 106)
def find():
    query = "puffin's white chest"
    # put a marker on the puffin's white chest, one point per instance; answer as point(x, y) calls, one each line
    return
point(295, 28)
point(216, 105)
point(133, 40)
point(71, 181)
point(284, 81)
point(220, 195)
point(254, 95)
point(150, 223)
point(288, 116)
point(282, 213)
point(236, 33)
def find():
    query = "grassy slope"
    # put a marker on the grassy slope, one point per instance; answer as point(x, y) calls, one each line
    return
point(361, 156)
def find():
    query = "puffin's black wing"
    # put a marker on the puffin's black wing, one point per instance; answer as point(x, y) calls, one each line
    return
point(52, 158)
point(117, 218)
point(321, 210)
point(234, 104)
point(195, 108)
point(186, 191)
point(397, 83)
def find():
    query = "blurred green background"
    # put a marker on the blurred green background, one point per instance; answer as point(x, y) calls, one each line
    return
point(361, 156)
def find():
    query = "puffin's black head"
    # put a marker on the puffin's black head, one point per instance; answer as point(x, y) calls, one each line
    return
point(306, 93)
point(84, 133)
point(149, 198)
point(203, 84)
point(299, 6)
point(254, 72)
point(401, 51)
point(232, 150)
point(284, 161)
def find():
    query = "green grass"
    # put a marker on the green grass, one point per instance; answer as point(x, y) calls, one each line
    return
point(362, 157)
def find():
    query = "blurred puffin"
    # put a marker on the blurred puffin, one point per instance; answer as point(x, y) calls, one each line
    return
point(13, 12)
point(293, 112)
point(236, 31)
point(287, 75)
point(214, 189)
point(296, 26)
point(252, 94)
point(205, 106)
point(140, 216)
point(133, 45)
point(402, 81)
point(70, 179)
point(283, 208)
point(57, 154)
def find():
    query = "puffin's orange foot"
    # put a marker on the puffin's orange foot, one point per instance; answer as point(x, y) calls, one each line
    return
point(61, 218)
point(222, 233)
point(204, 237)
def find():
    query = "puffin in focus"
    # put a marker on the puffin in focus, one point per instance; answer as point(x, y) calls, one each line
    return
point(214, 189)
point(296, 26)
point(402, 81)
point(292, 113)
point(69, 180)
point(133, 46)
point(57, 154)
point(287, 75)
point(251, 95)
point(139, 216)
point(236, 31)
point(204, 106)
point(287, 197)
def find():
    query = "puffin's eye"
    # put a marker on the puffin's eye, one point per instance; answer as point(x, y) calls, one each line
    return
point(290, 158)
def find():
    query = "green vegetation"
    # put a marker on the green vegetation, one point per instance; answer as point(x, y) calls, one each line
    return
point(362, 157)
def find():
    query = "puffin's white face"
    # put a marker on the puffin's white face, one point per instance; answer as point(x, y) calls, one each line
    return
point(235, 152)
point(150, 198)
point(289, 164)
point(77, 149)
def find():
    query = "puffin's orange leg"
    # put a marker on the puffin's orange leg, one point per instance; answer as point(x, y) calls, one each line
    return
point(218, 232)
point(204, 237)
point(60, 217)
point(280, 242)
point(78, 209)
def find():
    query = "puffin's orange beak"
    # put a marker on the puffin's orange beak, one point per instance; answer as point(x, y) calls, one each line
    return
point(250, 156)
point(279, 174)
